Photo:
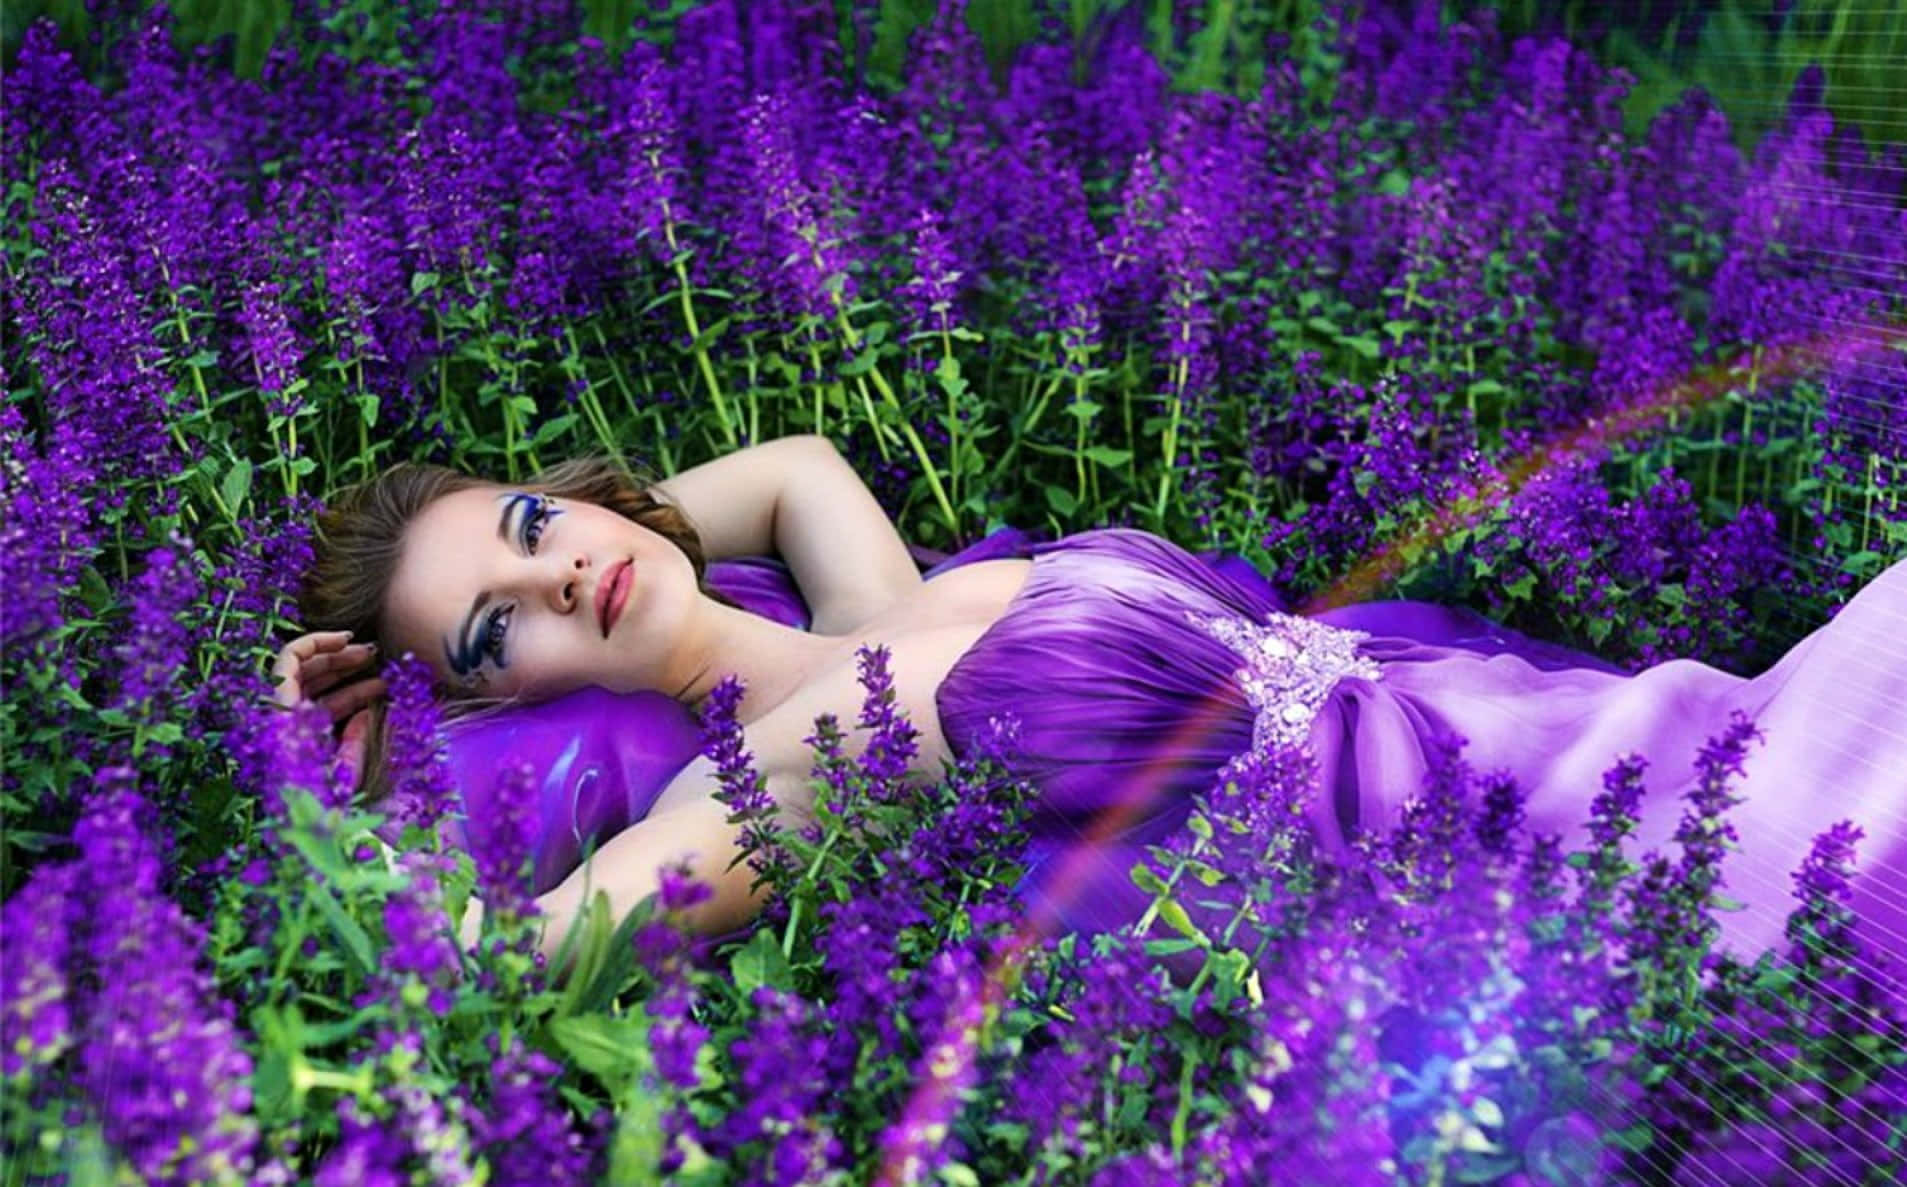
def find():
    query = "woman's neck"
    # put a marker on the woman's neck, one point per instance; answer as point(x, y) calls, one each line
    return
point(772, 660)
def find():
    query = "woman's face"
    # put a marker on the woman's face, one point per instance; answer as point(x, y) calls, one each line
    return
point(501, 592)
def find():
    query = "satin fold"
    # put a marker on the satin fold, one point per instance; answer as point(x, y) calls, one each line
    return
point(1127, 709)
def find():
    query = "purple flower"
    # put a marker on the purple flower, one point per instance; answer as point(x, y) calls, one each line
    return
point(37, 1023)
point(743, 788)
point(934, 287)
point(525, 1134)
point(644, 149)
point(891, 744)
point(47, 534)
point(270, 346)
point(797, 252)
point(1704, 832)
point(776, 1065)
point(156, 641)
point(417, 925)
point(421, 787)
point(274, 748)
point(369, 1153)
point(159, 1056)
point(502, 841)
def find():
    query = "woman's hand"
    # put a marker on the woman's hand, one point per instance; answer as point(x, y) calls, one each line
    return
point(312, 668)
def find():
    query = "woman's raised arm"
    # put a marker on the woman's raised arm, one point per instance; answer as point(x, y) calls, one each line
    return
point(798, 497)
point(628, 866)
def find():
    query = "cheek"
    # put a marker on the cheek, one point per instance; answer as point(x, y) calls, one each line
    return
point(551, 664)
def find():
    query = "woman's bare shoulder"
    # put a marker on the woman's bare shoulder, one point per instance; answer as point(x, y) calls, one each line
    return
point(925, 637)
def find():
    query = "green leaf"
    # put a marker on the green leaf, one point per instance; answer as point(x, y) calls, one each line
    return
point(1522, 587)
point(368, 406)
point(1487, 1112)
point(1107, 456)
point(97, 595)
point(1487, 1168)
point(1176, 918)
point(1673, 594)
point(349, 931)
point(959, 1174)
point(1143, 877)
point(1061, 500)
point(552, 428)
point(1229, 970)
point(614, 1050)
point(422, 282)
point(1364, 344)
point(236, 485)
point(1168, 947)
point(760, 962)
point(1084, 411)
point(708, 337)
point(860, 364)
point(948, 375)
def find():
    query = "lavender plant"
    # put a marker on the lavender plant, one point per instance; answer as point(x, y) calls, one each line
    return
point(1372, 283)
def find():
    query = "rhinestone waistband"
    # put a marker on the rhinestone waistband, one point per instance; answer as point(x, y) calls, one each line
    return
point(1291, 665)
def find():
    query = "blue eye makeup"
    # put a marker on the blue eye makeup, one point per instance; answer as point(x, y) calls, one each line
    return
point(535, 515)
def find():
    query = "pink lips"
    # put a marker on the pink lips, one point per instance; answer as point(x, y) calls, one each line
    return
point(611, 592)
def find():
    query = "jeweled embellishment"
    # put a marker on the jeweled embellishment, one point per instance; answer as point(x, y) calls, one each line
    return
point(1291, 665)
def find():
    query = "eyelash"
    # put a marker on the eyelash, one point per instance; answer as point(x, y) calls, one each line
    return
point(493, 638)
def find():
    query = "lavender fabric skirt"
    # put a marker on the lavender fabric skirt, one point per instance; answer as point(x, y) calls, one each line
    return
point(1122, 658)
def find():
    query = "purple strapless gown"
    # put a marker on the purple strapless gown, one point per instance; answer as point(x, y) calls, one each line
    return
point(1125, 658)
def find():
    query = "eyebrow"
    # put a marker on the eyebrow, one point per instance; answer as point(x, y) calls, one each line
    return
point(467, 658)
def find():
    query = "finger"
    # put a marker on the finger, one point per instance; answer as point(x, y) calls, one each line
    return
point(353, 698)
point(324, 671)
point(351, 755)
point(305, 646)
point(356, 730)
point(291, 659)
point(351, 744)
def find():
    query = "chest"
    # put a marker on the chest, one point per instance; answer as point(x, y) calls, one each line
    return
point(926, 633)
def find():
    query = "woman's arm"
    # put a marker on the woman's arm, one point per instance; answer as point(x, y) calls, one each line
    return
point(797, 496)
point(627, 866)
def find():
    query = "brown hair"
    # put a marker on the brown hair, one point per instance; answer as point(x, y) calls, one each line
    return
point(360, 536)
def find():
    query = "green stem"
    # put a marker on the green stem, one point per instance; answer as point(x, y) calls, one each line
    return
point(1183, 370)
point(1079, 439)
point(615, 372)
point(794, 912)
point(907, 427)
point(1867, 501)
point(695, 335)
point(1184, 1111)
point(572, 365)
point(1747, 423)
point(1132, 459)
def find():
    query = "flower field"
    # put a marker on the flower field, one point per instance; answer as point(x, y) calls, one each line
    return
point(1391, 300)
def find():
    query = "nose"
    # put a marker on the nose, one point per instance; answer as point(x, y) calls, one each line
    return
point(566, 593)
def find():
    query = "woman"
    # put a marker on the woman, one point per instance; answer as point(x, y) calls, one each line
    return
point(1135, 668)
